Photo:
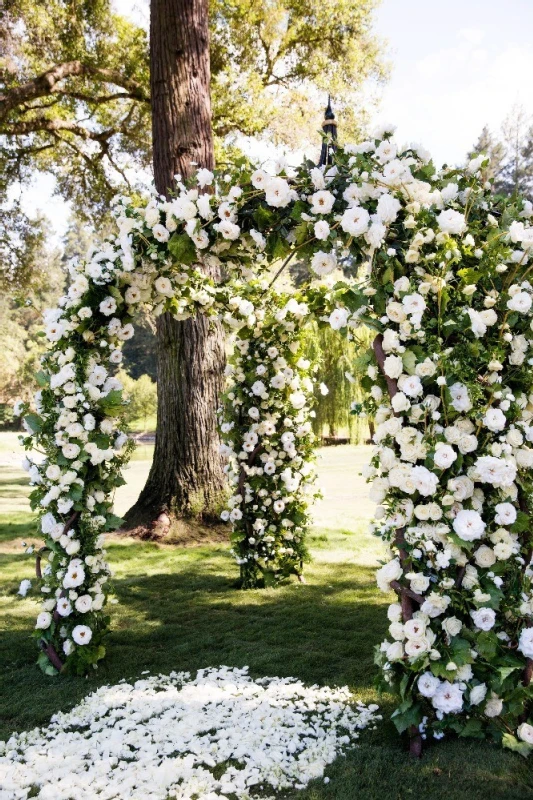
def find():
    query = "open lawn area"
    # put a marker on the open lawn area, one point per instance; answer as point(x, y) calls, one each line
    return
point(179, 609)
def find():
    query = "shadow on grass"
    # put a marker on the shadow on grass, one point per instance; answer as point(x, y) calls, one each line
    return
point(12, 481)
point(190, 617)
point(11, 531)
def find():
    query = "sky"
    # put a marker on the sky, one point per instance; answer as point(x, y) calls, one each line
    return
point(456, 65)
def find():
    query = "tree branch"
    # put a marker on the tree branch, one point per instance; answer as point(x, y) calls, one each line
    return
point(54, 125)
point(44, 85)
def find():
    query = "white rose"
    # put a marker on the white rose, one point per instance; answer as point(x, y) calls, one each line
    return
point(452, 626)
point(322, 202)
point(395, 651)
point(493, 707)
point(82, 634)
point(338, 318)
point(478, 694)
point(460, 399)
point(414, 629)
point(393, 366)
point(395, 312)
point(444, 456)
point(410, 384)
point(525, 642)
point(451, 221)
point(425, 369)
point(469, 525)
point(520, 302)
point(321, 229)
point(399, 402)
point(414, 304)
point(44, 620)
point(394, 612)
point(524, 458)
point(425, 482)
point(484, 618)
point(323, 263)
point(355, 221)
point(387, 573)
point(297, 400)
point(396, 631)
point(388, 208)
point(495, 420)
point(484, 556)
point(525, 733)
point(428, 684)
point(83, 603)
point(448, 698)
point(418, 582)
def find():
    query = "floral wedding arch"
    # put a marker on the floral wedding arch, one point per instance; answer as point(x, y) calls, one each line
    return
point(443, 280)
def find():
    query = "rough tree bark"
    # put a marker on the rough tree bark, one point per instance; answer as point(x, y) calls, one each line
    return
point(186, 478)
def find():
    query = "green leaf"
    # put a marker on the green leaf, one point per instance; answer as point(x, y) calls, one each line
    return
point(113, 522)
point(277, 247)
point(487, 645)
point(521, 524)
point(461, 651)
point(34, 422)
point(409, 362)
point(182, 248)
point(388, 275)
point(42, 378)
point(75, 492)
point(269, 577)
point(263, 217)
point(506, 671)
point(511, 743)
point(112, 403)
point(300, 233)
point(407, 714)
point(473, 728)
point(45, 666)
point(298, 209)
point(116, 294)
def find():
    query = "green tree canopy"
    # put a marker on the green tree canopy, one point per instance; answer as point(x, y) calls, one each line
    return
point(74, 88)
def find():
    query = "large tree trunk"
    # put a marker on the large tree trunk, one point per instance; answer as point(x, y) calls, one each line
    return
point(186, 478)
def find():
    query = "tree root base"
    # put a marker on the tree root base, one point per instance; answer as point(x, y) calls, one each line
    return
point(180, 532)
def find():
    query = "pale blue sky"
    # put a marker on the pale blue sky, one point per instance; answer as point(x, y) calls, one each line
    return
point(456, 65)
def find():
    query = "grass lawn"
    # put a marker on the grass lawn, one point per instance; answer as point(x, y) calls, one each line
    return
point(179, 610)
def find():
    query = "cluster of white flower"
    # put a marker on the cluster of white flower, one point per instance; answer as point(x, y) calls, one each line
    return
point(218, 735)
point(452, 399)
point(268, 442)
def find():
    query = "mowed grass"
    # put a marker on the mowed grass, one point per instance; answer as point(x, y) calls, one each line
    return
point(179, 609)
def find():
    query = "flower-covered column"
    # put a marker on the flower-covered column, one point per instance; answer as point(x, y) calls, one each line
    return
point(269, 443)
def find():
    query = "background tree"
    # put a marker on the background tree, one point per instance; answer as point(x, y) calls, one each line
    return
point(511, 153)
point(488, 144)
point(339, 370)
point(75, 94)
point(75, 101)
point(186, 473)
point(21, 310)
point(142, 396)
